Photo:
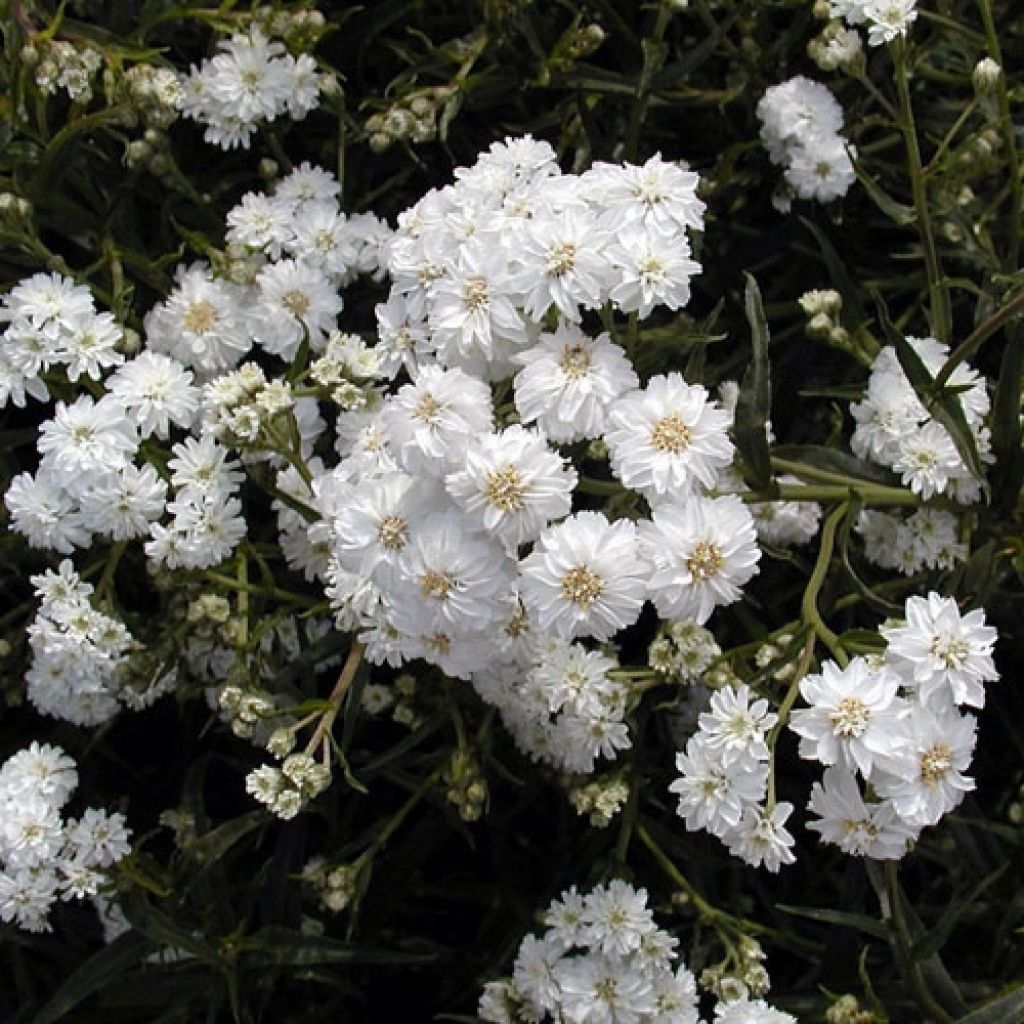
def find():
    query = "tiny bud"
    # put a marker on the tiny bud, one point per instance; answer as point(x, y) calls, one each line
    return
point(379, 142)
point(268, 168)
point(986, 76)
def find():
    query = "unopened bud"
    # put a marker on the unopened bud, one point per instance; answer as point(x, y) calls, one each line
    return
point(986, 76)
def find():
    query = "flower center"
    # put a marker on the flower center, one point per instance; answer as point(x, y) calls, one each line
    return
point(670, 434)
point(575, 361)
point(652, 270)
point(561, 258)
point(582, 587)
point(427, 409)
point(935, 764)
point(392, 532)
point(199, 317)
point(706, 561)
point(850, 717)
point(950, 650)
point(505, 490)
point(296, 302)
point(436, 584)
point(475, 294)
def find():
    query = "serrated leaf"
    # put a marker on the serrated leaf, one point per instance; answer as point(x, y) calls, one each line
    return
point(95, 974)
point(859, 922)
point(753, 406)
point(1008, 1009)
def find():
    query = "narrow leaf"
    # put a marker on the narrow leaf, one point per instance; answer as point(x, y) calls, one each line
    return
point(896, 212)
point(95, 974)
point(936, 938)
point(753, 407)
point(1008, 1009)
point(1008, 474)
point(859, 922)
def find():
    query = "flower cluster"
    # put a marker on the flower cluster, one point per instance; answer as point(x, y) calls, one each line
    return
point(80, 656)
point(884, 19)
point(894, 428)
point(895, 721)
point(800, 128)
point(723, 779)
point(43, 856)
point(603, 959)
point(251, 80)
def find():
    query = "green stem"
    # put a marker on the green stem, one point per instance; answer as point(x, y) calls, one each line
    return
point(1009, 137)
point(802, 667)
point(949, 137)
point(937, 294)
point(705, 911)
point(334, 701)
point(872, 494)
point(809, 605)
point(897, 922)
point(653, 51)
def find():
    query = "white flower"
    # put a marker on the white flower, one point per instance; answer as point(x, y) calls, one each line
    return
point(296, 300)
point(616, 919)
point(585, 577)
point(853, 718)
point(598, 989)
point(562, 264)
point(703, 551)
point(820, 168)
point(857, 827)
point(713, 794)
point(569, 382)
point(202, 323)
point(945, 656)
point(157, 391)
point(888, 19)
point(432, 421)
point(750, 1011)
point(86, 439)
point(653, 270)
point(658, 195)
point(513, 485)
point(668, 438)
point(761, 838)
point(449, 580)
point(925, 778)
point(735, 727)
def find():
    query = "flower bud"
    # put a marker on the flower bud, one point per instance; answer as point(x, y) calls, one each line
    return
point(986, 76)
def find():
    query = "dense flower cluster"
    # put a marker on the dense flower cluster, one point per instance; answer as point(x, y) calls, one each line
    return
point(892, 719)
point(603, 960)
point(800, 128)
point(251, 80)
point(44, 856)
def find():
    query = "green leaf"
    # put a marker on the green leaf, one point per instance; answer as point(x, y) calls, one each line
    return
point(896, 212)
point(753, 407)
point(837, 271)
point(1008, 1009)
point(212, 845)
point(936, 938)
point(1008, 474)
point(859, 922)
point(841, 463)
point(284, 947)
point(99, 971)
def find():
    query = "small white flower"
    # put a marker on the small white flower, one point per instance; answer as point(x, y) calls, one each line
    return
point(585, 577)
